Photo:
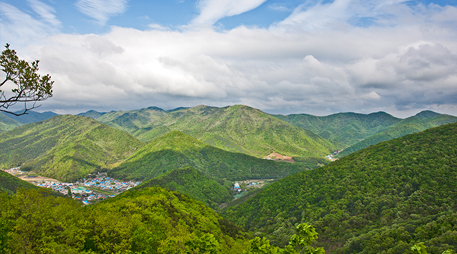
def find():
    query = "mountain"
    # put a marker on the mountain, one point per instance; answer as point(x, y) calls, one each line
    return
point(32, 116)
point(420, 122)
point(382, 199)
point(65, 147)
point(92, 114)
point(7, 123)
point(10, 184)
point(427, 114)
point(236, 128)
point(133, 121)
point(194, 183)
point(177, 150)
point(345, 129)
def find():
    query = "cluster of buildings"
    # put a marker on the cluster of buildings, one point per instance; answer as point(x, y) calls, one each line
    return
point(14, 171)
point(247, 184)
point(108, 183)
point(84, 191)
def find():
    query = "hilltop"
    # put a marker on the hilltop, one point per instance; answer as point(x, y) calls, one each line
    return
point(65, 147)
point(177, 150)
point(386, 197)
point(33, 116)
point(194, 183)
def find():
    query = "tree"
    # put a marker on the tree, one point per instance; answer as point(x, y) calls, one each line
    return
point(28, 86)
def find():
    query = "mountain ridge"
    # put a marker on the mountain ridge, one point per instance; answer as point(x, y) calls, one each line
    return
point(65, 147)
point(177, 150)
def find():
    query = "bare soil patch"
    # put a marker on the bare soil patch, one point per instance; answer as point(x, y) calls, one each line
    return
point(37, 179)
point(279, 157)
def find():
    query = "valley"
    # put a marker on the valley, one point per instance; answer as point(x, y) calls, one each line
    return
point(233, 177)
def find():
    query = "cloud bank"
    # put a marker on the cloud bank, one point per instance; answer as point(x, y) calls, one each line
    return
point(319, 60)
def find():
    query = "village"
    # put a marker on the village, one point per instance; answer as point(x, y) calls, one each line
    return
point(242, 187)
point(95, 187)
point(98, 186)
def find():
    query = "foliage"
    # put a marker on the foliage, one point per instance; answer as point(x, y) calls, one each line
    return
point(10, 184)
point(177, 150)
point(382, 199)
point(32, 117)
point(236, 128)
point(28, 85)
point(414, 124)
point(65, 147)
point(194, 183)
point(299, 243)
point(344, 129)
point(150, 220)
point(7, 123)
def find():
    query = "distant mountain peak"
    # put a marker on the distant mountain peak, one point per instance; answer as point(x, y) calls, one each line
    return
point(155, 108)
point(427, 114)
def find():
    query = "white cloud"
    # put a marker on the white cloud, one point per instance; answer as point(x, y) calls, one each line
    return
point(406, 62)
point(45, 11)
point(278, 7)
point(213, 10)
point(19, 28)
point(101, 10)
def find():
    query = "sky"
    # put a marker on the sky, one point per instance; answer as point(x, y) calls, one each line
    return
point(280, 56)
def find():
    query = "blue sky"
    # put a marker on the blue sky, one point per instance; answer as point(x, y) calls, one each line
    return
point(290, 56)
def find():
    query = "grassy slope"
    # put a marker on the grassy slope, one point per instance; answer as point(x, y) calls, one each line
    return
point(383, 198)
point(344, 129)
point(10, 184)
point(177, 150)
point(194, 183)
point(7, 123)
point(236, 128)
point(420, 122)
point(65, 147)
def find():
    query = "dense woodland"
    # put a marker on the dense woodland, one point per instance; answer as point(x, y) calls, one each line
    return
point(194, 183)
point(176, 149)
point(398, 196)
point(383, 198)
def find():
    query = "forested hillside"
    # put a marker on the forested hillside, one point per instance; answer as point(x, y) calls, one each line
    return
point(236, 128)
point(10, 184)
point(382, 199)
point(32, 116)
point(65, 147)
point(7, 123)
point(420, 122)
point(176, 150)
point(344, 129)
point(150, 220)
point(194, 183)
point(133, 121)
